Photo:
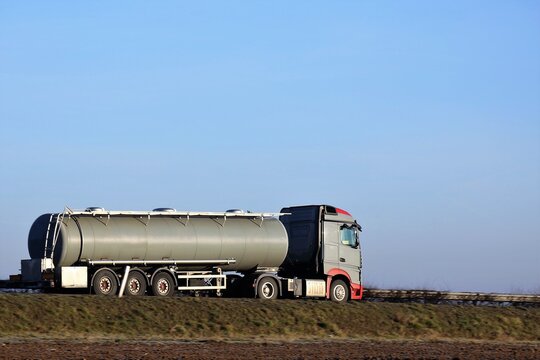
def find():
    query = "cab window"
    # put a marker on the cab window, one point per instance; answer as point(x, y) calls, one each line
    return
point(348, 236)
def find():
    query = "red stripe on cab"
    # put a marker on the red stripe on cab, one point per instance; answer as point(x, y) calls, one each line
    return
point(341, 211)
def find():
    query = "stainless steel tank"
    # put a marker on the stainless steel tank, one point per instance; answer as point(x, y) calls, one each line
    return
point(251, 242)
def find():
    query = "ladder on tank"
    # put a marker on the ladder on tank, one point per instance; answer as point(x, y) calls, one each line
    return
point(50, 244)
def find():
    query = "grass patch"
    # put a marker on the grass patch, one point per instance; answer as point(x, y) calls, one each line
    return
point(93, 317)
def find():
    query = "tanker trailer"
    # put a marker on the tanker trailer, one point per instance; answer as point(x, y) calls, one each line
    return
point(164, 251)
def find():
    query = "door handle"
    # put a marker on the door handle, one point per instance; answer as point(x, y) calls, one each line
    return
point(342, 259)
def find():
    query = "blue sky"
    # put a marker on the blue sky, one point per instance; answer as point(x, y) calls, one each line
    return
point(421, 118)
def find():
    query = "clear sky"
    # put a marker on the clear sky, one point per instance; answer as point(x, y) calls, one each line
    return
point(421, 118)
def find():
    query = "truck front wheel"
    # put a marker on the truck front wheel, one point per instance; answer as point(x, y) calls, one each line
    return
point(339, 291)
point(267, 289)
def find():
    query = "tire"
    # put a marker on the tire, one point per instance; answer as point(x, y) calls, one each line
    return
point(339, 291)
point(105, 283)
point(136, 284)
point(163, 285)
point(267, 289)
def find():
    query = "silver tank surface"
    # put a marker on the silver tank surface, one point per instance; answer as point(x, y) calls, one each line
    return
point(250, 241)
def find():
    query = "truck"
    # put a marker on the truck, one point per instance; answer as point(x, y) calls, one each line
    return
point(302, 251)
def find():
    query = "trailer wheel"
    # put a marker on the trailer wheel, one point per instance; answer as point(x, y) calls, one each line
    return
point(105, 283)
point(267, 289)
point(136, 284)
point(163, 285)
point(339, 291)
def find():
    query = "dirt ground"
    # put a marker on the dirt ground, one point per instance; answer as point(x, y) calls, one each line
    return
point(364, 349)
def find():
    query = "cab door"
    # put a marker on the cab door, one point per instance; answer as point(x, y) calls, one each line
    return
point(349, 251)
point(342, 249)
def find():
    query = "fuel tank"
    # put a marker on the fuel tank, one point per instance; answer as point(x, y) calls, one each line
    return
point(252, 242)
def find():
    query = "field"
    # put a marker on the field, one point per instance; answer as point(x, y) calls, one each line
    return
point(90, 327)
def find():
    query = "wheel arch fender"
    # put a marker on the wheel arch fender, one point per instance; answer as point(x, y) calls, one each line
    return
point(335, 274)
point(96, 272)
point(165, 270)
point(144, 274)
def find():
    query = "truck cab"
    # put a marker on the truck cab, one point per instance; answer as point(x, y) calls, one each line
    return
point(324, 244)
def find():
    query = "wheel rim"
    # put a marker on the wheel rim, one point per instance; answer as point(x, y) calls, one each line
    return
point(134, 286)
point(268, 290)
point(163, 286)
point(105, 285)
point(339, 292)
